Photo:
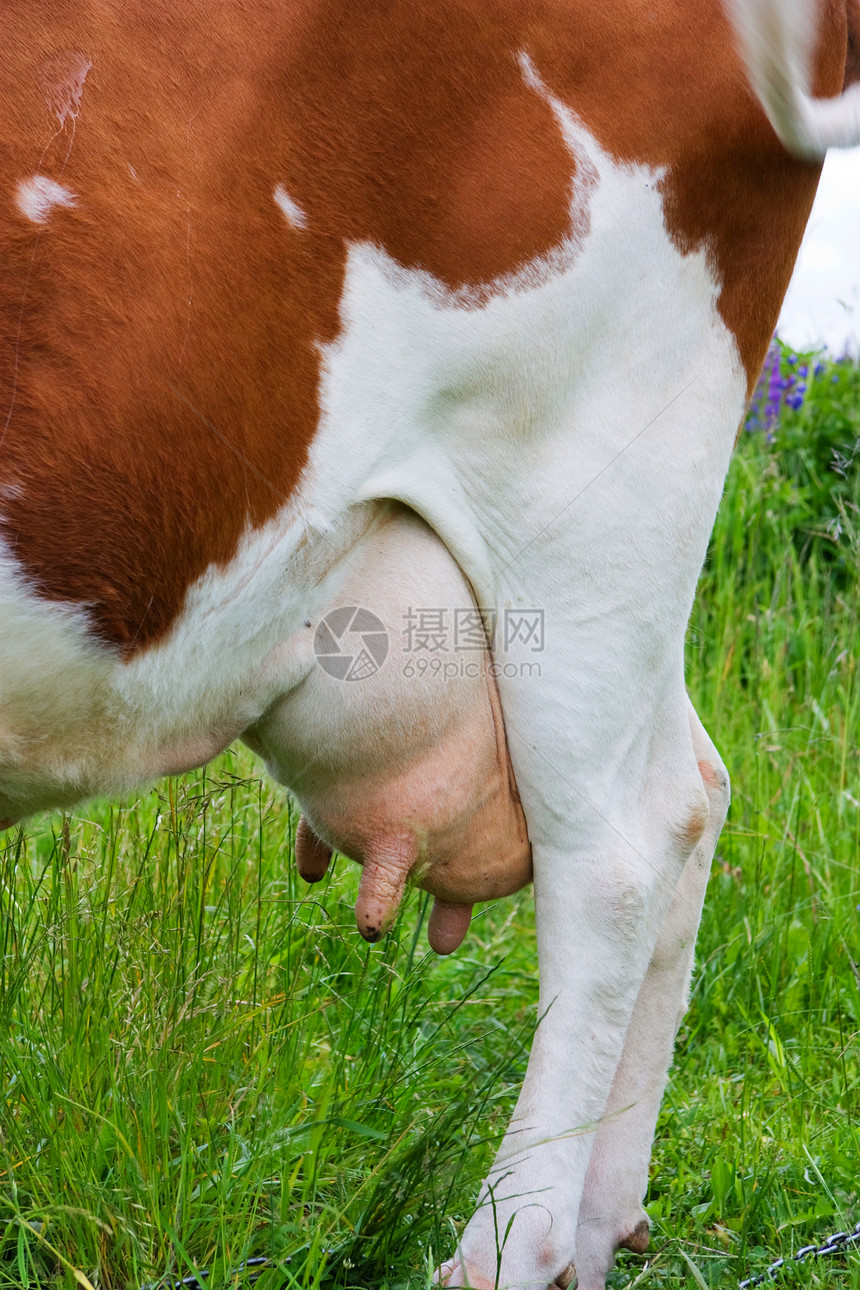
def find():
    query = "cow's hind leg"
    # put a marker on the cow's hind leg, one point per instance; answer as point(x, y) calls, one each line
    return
point(611, 1215)
point(602, 909)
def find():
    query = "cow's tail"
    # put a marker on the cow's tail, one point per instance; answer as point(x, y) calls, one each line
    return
point(777, 39)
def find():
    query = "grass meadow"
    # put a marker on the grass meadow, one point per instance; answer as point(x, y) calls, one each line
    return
point(201, 1062)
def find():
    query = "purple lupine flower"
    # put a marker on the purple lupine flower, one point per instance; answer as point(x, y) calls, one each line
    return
point(775, 391)
point(775, 388)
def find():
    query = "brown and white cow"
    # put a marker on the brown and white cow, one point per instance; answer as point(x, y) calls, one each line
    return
point(275, 274)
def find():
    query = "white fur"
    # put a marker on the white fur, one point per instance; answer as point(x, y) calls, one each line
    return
point(777, 39)
point(293, 212)
point(37, 197)
point(569, 463)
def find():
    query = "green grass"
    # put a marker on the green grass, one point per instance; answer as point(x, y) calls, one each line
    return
point(201, 1061)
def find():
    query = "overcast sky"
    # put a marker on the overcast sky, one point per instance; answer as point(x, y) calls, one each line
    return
point(823, 301)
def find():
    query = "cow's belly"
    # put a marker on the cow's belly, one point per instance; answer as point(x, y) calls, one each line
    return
point(78, 721)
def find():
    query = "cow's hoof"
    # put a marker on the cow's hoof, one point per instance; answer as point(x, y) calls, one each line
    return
point(598, 1245)
point(455, 1275)
point(638, 1238)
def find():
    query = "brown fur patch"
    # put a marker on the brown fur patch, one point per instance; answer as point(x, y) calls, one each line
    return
point(852, 62)
point(694, 826)
point(159, 360)
point(710, 776)
point(673, 93)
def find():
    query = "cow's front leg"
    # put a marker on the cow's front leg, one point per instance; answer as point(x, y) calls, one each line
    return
point(611, 1213)
point(605, 876)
